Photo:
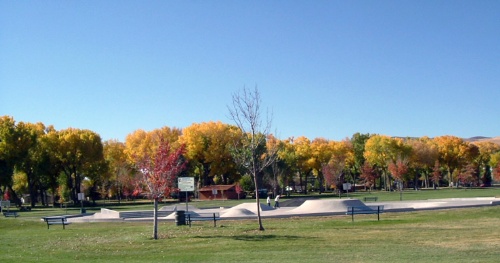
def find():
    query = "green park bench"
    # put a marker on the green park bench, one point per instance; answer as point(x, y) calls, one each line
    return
point(359, 210)
point(10, 214)
point(56, 220)
point(202, 217)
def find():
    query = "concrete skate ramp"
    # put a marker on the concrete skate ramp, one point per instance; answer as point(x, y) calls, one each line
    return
point(326, 206)
point(237, 213)
point(252, 207)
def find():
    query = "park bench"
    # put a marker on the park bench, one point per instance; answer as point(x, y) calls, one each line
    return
point(56, 220)
point(202, 217)
point(10, 214)
point(359, 210)
point(370, 198)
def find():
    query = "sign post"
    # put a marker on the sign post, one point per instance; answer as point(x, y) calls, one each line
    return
point(346, 187)
point(186, 184)
point(81, 198)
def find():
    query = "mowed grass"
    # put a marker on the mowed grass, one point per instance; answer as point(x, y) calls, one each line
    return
point(454, 235)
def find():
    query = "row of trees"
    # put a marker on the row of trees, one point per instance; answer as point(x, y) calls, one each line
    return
point(38, 160)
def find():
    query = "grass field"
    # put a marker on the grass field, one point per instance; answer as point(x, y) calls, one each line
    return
point(454, 235)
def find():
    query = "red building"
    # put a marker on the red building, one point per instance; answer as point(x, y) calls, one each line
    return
point(220, 192)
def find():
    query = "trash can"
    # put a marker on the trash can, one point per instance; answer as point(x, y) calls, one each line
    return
point(180, 218)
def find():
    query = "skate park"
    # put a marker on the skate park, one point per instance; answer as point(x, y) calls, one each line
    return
point(307, 207)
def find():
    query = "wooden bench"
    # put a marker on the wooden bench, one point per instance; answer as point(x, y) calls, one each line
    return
point(202, 217)
point(10, 214)
point(370, 198)
point(359, 210)
point(56, 220)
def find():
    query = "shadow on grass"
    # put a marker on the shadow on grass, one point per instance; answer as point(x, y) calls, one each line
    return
point(257, 237)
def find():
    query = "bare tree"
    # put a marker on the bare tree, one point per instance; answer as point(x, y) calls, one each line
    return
point(252, 154)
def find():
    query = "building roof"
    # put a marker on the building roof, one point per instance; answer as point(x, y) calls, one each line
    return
point(219, 187)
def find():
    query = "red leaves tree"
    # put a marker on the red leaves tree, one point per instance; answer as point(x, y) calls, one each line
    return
point(159, 174)
point(398, 169)
point(238, 190)
point(368, 175)
point(496, 172)
point(436, 174)
point(332, 173)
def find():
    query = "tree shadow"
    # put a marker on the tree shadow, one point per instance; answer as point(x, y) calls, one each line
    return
point(257, 237)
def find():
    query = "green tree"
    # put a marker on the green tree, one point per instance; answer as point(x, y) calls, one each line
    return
point(358, 141)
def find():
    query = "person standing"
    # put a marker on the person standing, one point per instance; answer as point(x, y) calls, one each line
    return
point(268, 201)
point(277, 201)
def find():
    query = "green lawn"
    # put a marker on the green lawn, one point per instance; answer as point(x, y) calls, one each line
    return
point(454, 235)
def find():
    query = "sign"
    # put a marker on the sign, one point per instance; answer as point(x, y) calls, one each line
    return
point(81, 196)
point(347, 186)
point(186, 184)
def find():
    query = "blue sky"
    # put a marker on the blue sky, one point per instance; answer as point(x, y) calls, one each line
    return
point(325, 68)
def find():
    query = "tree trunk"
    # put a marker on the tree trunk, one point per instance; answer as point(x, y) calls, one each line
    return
point(257, 200)
point(155, 219)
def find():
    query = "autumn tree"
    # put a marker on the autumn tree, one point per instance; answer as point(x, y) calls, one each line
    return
point(486, 150)
point(321, 153)
point(10, 154)
point(208, 149)
point(381, 150)
point(252, 154)
point(398, 169)
point(288, 157)
point(436, 175)
point(358, 141)
point(304, 160)
point(119, 180)
point(278, 167)
point(423, 157)
point(80, 153)
point(453, 154)
point(341, 156)
point(159, 173)
point(368, 175)
point(28, 142)
point(495, 164)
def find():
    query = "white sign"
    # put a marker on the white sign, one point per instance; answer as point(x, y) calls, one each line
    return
point(81, 196)
point(347, 186)
point(186, 184)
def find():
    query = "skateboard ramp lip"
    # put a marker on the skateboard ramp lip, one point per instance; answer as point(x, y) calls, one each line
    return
point(237, 212)
point(326, 206)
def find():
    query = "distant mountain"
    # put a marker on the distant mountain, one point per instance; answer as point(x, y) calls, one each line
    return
point(484, 139)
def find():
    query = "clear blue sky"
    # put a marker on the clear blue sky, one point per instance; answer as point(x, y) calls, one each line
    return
point(325, 68)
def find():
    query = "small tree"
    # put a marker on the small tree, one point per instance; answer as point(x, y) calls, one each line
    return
point(496, 172)
point(238, 190)
point(398, 169)
point(436, 175)
point(368, 175)
point(159, 174)
point(252, 154)
point(333, 172)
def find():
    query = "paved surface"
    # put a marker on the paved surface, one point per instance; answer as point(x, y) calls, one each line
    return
point(317, 207)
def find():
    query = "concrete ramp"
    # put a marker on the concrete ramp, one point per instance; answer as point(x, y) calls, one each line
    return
point(253, 207)
point(237, 213)
point(326, 206)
